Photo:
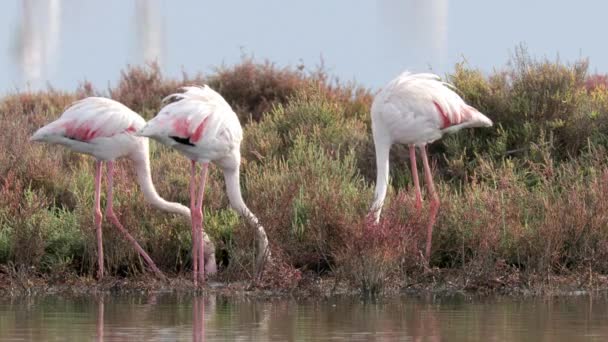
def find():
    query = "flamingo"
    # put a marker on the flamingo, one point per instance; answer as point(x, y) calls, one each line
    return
point(416, 109)
point(202, 126)
point(105, 129)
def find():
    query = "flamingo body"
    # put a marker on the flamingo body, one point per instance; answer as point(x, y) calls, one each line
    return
point(416, 109)
point(97, 126)
point(202, 126)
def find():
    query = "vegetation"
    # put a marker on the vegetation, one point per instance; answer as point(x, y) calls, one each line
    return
point(522, 202)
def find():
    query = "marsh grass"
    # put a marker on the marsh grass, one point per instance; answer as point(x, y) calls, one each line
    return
point(526, 198)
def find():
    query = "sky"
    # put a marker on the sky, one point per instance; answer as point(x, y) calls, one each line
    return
point(63, 42)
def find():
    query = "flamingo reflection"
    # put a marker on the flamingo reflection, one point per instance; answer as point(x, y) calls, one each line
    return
point(36, 39)
point(150, 31)
point(198, 319)
point(404, 24)
point(100, 323)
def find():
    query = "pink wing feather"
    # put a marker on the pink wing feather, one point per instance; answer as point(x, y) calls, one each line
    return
point(92, 118)
point(197, 113)
point(426, 94)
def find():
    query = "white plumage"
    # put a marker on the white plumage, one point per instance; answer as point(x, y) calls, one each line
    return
point(204, 124)
point(97, 126)
point(416, 109)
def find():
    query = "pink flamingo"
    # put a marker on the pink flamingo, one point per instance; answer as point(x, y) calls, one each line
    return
point(201, 125)
point(105, 129)
point(416, 109)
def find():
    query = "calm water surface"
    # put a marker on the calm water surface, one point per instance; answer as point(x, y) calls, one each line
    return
point(169, 317)
point(63, 42)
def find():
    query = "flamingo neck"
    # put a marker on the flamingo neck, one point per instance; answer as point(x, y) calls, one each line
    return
point(141, 159)
point(382, 155)
point(233, 189)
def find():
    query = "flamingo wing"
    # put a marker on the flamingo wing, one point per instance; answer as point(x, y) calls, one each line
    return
point(92, 118)
point(196, 114)
point(424, 100)
point(203, 94)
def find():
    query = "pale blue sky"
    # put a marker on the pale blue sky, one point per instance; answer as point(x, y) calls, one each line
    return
point(65, 41)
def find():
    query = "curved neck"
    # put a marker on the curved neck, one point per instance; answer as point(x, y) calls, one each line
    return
point(233, 189)
point(141, 159)
point(382, 154)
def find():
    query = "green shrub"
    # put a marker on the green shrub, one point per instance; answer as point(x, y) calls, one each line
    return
point(528, 194)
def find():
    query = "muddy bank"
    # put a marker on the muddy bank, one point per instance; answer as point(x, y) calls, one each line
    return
point(310, 286)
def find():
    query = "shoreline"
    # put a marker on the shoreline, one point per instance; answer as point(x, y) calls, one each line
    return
point(435, 282)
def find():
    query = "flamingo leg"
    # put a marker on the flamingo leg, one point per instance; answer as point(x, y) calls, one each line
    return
point(98, 218)
point(112, 216)
point(199, 227)
point(195, 243)
point(434, 201)
point(415, 177)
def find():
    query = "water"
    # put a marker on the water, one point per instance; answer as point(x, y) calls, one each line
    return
point(63, 42)
point(170, 317)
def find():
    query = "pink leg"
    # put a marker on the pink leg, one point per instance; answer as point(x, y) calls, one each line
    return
point(434, 201)
point(194, 219)
point(415, 177)
point(110, 214)
point(199, 213)
point(98, 218)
